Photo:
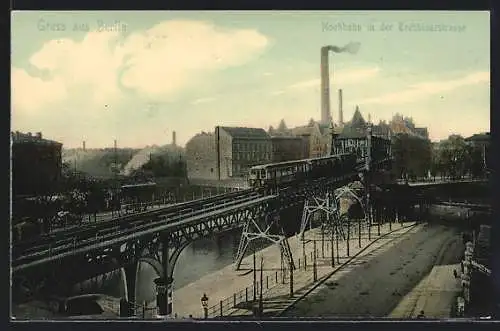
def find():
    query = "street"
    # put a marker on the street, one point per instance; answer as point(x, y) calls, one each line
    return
point(377, 285)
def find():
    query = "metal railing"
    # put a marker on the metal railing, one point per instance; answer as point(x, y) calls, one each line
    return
point(245, 299)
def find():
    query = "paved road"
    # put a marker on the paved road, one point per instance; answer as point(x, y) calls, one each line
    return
point(377, 285)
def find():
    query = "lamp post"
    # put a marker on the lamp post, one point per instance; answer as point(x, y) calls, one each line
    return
point(204, 304)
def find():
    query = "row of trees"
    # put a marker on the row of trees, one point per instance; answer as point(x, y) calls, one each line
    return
point(417, 158)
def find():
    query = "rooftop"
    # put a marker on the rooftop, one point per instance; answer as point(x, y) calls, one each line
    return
point(19, 137)
point(241, 132)
point(485, 136)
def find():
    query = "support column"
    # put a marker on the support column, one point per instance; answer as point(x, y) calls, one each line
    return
point(164, 293)
point(127, 307)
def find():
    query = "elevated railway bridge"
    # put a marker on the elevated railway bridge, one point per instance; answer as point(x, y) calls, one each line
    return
point(157, 237)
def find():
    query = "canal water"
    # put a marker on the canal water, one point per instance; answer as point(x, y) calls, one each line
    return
point(198, 259)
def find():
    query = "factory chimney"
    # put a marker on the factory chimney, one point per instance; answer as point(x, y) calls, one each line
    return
point(341, 111)
point(325, 86)
point(351, 48)
point(174, 142)
point(83, 145)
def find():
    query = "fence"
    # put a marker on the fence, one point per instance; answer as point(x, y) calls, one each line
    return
point(245, 298)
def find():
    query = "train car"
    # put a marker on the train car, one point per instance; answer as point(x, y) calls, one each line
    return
point(270, 176)
point(137, 197)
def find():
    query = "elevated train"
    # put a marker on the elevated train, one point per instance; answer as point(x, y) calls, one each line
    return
point(348, 154)
point(271, 176)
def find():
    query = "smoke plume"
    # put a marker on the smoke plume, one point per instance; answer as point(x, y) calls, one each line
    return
point(139, 159)
point(351, 48)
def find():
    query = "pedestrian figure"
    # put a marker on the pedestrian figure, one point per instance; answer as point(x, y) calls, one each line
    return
point(455, 274)
point(421, 315)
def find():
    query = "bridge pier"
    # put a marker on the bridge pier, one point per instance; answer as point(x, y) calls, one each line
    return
point(164, 291)
point(127, 307)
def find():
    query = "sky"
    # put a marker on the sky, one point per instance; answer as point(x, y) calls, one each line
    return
point(138, 76)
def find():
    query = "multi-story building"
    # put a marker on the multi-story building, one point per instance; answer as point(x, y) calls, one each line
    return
point(227, 153)
point(482, 141)
point(318, 137)
point(288, 148)
point(239, 148)
point(36, 164)
point(352, 136)
point(405, 125)
point(201, 156)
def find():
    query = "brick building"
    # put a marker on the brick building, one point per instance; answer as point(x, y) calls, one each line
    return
point(36, 164)
point(288, 148)
point(227, 153)
point(238, 149)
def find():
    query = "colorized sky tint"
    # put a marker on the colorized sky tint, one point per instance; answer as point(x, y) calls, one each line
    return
point(137, 76)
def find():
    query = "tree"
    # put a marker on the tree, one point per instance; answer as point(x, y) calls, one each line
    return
point(412, 156)
point(453, 158)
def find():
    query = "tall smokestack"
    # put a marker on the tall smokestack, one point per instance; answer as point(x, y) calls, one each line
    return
point(341, 111)
point(174, 142)
point(325, 86)
point(83, 146)
point(115, 145)
point(351, 48)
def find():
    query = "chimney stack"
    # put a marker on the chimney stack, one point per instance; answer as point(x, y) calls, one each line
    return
point(83, 145)
point(325, 86)
point(174, 140)
point(341, 110)
point(115, 144)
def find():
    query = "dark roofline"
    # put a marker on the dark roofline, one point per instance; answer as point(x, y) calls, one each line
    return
point(24, 138)
point(479, 136)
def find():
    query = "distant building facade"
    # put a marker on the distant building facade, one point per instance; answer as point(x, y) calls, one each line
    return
point(288, 148)
point(405, 125)
point(482, 141)
point(351, 136)
point(227, 153)
point(318, 137)
point(36, 164)
point(238, 149)
point(201, 156)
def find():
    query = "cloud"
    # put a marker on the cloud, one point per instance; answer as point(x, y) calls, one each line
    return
point(341, 77)
point(424, 89)
point(203, 100)
point(106, 67)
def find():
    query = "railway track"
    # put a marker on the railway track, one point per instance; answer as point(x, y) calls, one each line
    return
point(92, 230)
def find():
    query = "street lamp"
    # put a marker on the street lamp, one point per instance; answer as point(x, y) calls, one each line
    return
point(204, 304)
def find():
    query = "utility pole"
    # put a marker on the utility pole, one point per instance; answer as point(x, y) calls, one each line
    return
point(291, 281)
point(304, 257)
point(331, 244)
point(359, 232)
point(315, 271)
point(261, 299)
point(348, 235)
point(337, 244)
point(323, 240)
point(254, 278)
